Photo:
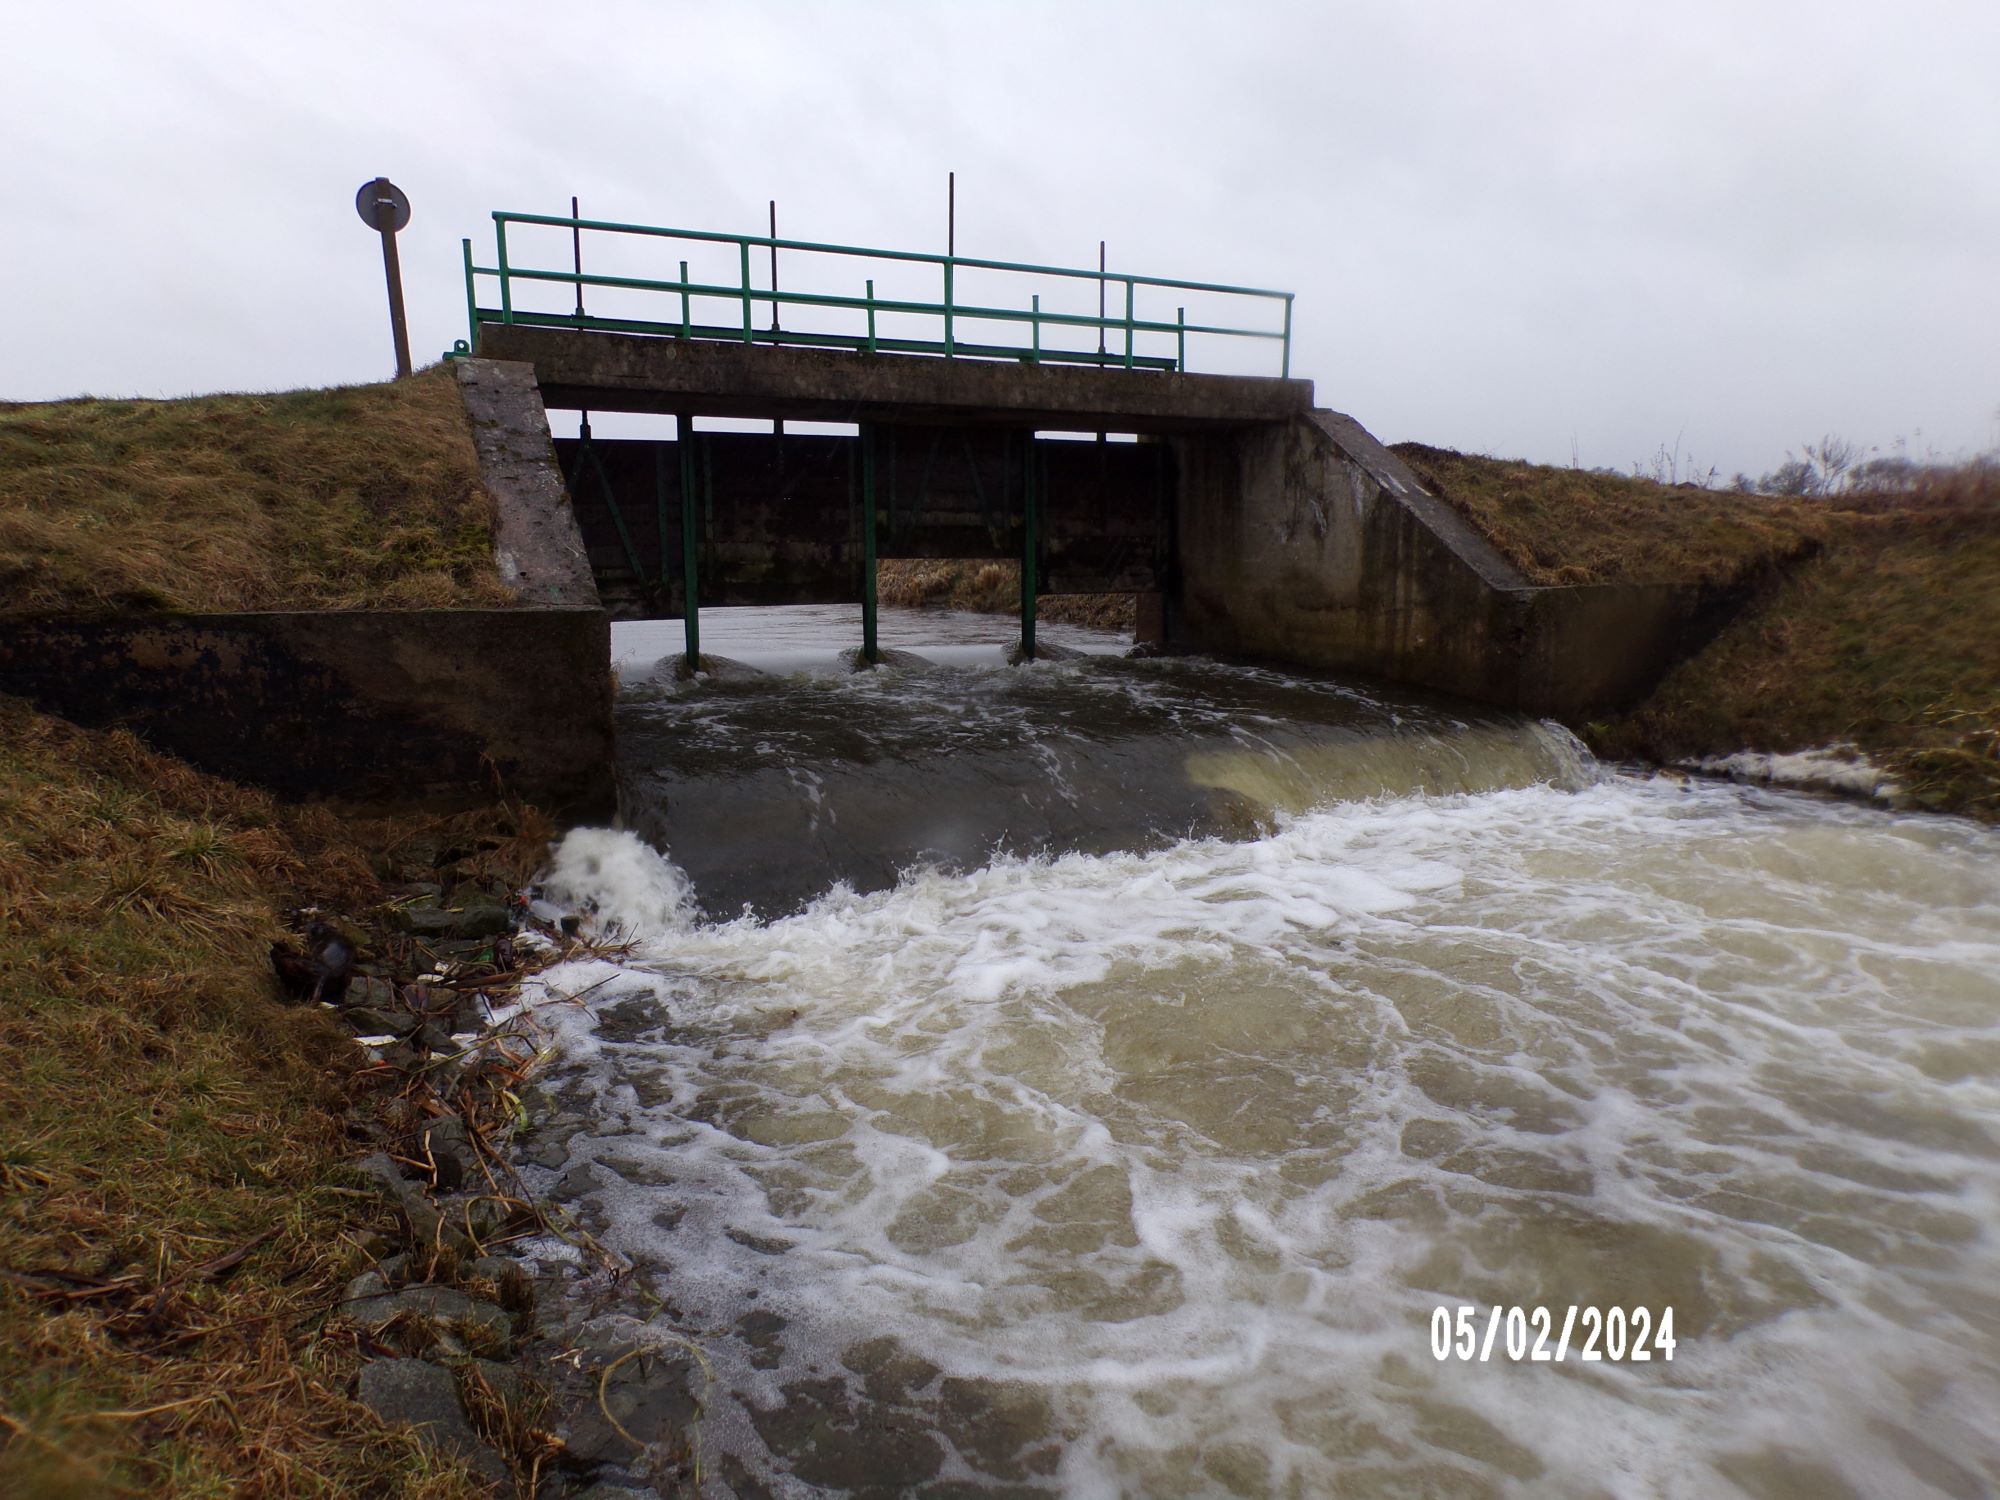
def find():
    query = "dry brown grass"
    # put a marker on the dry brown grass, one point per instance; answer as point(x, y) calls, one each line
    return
point(992, 587)
point(358, 496)
point(1567, 526)
point(1889, 637)
point(172, 1231)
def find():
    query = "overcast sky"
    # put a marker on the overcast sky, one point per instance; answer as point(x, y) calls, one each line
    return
point(1537, 229)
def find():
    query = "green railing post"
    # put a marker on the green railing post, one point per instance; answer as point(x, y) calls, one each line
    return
point(471, 301)
point(684, 299)
point(1180, 352)
point(870, 652)
point(949, 349)
point(1128, 322)
point(506, 287)
point(1030, 546)
point(690, 600)
point(871, 315)
point(1036, 357)
point(1285, 370)
point(744, 245)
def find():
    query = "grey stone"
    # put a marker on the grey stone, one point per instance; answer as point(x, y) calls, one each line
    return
point(414, 1393)
point(482, 920)
point(441, 1304)
point(367, 1284)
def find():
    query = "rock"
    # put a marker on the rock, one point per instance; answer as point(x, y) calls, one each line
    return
point(371, 992)
point(367, 1284)
point(410, 1392)
point(506, 1382)
point(487, 1327)
point(367, 1020)
point(482, 920)
point(434, 1039)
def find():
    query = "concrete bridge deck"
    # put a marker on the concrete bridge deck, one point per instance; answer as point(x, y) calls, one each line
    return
point(596, 370)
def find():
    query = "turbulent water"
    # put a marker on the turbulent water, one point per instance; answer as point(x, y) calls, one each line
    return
point(1135, 1158)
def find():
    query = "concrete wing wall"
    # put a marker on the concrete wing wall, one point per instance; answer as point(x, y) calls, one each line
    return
point(1309, 542)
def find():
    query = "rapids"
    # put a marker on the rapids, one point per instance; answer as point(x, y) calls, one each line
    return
point(1122, 1136)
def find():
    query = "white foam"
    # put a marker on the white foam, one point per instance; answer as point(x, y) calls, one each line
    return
point(1196, 1139)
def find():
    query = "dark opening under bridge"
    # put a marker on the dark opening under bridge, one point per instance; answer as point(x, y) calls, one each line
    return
point(1257, 523)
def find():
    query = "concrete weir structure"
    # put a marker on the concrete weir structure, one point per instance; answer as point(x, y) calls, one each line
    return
point(386, 707)
point(1265, 527)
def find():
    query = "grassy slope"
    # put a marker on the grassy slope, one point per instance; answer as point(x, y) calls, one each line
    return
point(362, 495)
point(1573, 526)
point(1881, 626)
point(994, 588)
point(160, 1109)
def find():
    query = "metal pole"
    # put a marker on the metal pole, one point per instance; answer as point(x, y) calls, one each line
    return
point(392, 271)
point(871, 315)
point(1029, 548)
point(1100, 296)
point(471, 301)
point(870, 652)
point(684, 299)
point(576, 254)
point(950, 250)
point(690, 604)
point(774, 265)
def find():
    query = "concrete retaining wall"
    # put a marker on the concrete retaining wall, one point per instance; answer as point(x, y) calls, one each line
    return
point(430, 707)
point(441, 708)
point(1308, 542)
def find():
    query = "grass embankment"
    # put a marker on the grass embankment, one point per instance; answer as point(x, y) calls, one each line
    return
point(361, 496)
point(992, 587)
point(1876, 621)
point(172, 1231)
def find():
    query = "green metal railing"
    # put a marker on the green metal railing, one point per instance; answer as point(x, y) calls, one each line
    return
point(1126, 329)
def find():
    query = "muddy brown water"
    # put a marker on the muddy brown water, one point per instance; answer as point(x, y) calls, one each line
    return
point(1092, 1077)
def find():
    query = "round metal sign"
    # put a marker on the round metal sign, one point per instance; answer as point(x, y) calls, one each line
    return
point(382, 190)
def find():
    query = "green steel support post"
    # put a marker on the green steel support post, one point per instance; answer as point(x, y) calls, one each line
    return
point(947, 308)
point(1036, 358)
point(684, 299)
point(471, 302)
point(870, 652)
point(690, 601)
point(1030, 547)
point(744, 246)
point(1128, 322)
point(1286, 372)
point(871, 315)
point(506, 286)
point(1180, 355)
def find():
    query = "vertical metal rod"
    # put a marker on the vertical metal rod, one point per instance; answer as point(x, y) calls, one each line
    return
point(1030, 546)
point(1128, 322)
point(870, 651)
point(1286, 371)
point(744, 246)
point(506, 286)
point(949, 345)
point(1036, 323)
point(774, 265)
point(684, 299)
point(471, 301)
point(1180, 354)
point(690, 597)
point(951, 213)
point(871, 315)
point(576, 252)
point(1100, 296)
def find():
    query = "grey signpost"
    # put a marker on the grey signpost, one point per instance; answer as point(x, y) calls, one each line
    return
point(383, 207)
